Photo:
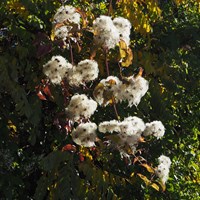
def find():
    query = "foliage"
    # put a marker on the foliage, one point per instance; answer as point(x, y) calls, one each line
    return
point(39, 159)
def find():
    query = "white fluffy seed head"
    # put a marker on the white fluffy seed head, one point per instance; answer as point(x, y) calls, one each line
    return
point(85, 134)
point(89, 70)
point(136, 90)
point(66, 13)
point(74, 77)
point(164, 160)
point(154, 128)
point(129, 131)
point(129, 139)
point(68, 18)
point(124, 27)
point(109, 126)
point(62, 32)
point(162, 172)
point(126, 128)
point(106, 90)
point(137, 124)
point(132, 90)
point(105, 33)
point(80, 106)
point(102, 22)
point(84, 72)
point(56, 69)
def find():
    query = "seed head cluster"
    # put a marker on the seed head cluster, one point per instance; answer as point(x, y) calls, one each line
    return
point(58, 68)
point(84, 72)
point(108, 32)
point(80, 106)
point(131, 91)
point(162, 170)
point(85, 134)
point(130, 131)
point(67, 18)
point(154, 128)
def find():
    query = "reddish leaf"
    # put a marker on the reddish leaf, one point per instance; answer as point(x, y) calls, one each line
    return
point(47, 91)
point(41, 96)
point(81, 157)
point(68, 128)
point(69, 147)
point(42, 50)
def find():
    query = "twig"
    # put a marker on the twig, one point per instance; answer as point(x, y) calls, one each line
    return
point(115, 108)
point(110, 8)
point(71, 52)
point(120, 70)
point(106, 61)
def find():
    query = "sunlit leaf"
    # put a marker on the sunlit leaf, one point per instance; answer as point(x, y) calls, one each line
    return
point(149, 168)
point(132, 174)
point(11, 126)
point(155, 186)
point(98, 89)
point(144, 178)
point(163, 186)
point(125, 54)
point(41, 96)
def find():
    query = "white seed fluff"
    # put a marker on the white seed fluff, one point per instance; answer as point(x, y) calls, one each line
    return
point(62, 32)
point(105, 33)
point(66, 13)
point(56, 69)
point(137, 123)
point(162, 170)
point(80, 106)
point(154, 128)
point(68, 18)
point(109, 126)
point(124, 27)
point(135, 90)
point(129, 131)
point(164, 160)
point(85, 134)
point(108, 89)
point(84, 72)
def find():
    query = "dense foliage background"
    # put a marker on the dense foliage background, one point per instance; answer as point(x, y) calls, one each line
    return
point(165, 41)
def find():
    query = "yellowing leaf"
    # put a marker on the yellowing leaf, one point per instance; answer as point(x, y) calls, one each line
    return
point(11, 126)
point(85, 153)
point(126, 54)
point(105, 92)
point(52, 36)
point(163, 186)
point(149, 168)
point(141, 139)
point(83, 17)
point(132, 174)
point(16, 7)
point(145, 179)
point(155, 186)
point(122, 48)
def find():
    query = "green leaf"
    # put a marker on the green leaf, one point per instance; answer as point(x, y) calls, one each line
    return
point(53, 160)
